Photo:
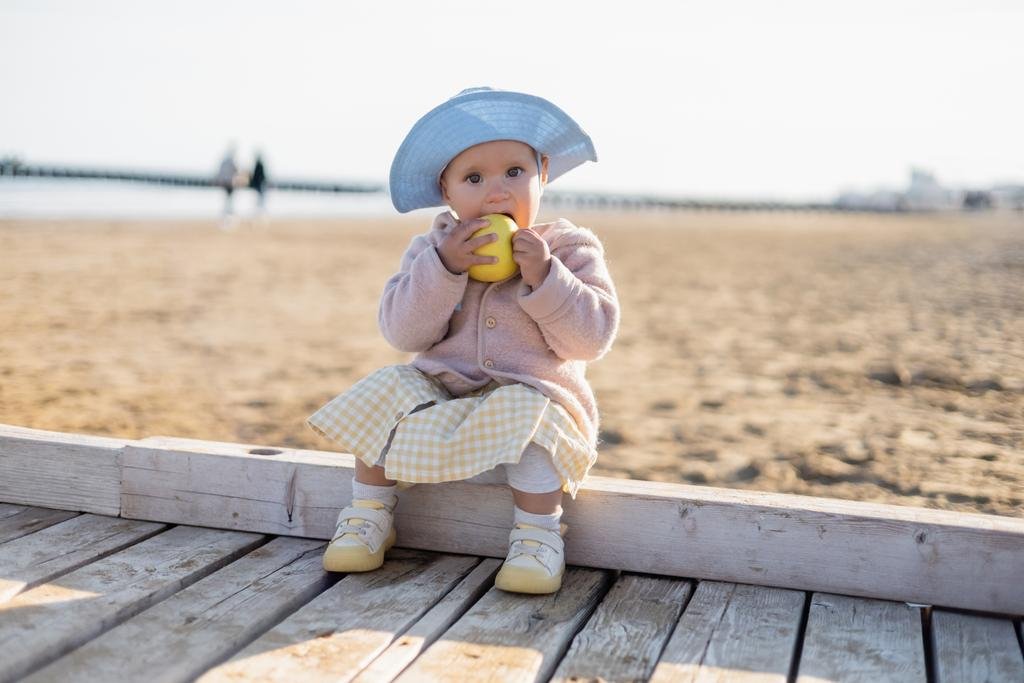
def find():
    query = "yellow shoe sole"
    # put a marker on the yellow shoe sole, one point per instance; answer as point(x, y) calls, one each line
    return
point(519, 580)
point(356, 558)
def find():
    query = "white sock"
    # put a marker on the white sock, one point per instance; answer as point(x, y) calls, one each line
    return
point(550, 522)
point(382, 494)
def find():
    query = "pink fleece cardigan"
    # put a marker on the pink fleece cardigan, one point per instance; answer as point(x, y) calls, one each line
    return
point(467, 333)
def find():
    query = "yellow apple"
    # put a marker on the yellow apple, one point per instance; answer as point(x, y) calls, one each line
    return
point(502, 248)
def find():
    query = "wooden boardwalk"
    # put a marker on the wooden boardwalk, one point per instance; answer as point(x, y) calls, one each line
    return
point(87, 597)
point(97, 596)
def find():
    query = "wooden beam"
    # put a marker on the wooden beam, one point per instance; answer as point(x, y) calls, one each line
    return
point(813, 544)
point(62, 471)
point(291, 492)
point(936, 557)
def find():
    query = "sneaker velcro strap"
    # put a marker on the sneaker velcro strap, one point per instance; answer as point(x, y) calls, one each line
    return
point(363, 533)
point(379, 518)
point(542, 536)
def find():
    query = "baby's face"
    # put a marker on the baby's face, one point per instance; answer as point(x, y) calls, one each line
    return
point(494, 177)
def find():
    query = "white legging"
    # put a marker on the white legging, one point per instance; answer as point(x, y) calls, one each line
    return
point(534, 473)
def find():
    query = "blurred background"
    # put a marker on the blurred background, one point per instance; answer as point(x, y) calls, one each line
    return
point(814, 213)
point(738, 100)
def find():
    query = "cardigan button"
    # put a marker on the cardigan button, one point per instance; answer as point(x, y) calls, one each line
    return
point(491, 322)
point(488, 363)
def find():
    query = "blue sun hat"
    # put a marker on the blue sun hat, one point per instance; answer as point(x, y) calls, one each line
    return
point(474, 116)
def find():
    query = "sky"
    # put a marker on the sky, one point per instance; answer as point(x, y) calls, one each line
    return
point(724, 99)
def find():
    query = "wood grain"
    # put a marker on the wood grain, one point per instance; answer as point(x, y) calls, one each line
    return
point(787, 541)
point(61, 548)
point(30, 520)
point(975, 649)
point(429, 628)
point(624, 638)
point(296, 493)
point(64, 471)
point(341, 631)
point(204, 624)
point(851, 639)
point(733, 632)
point(45, 622)
point(510, 637)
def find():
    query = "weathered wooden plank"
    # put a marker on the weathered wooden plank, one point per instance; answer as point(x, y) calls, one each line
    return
point(752, 537)
point(296, 493)
point(852, 639)
point(837, 546)
point(733, 632)
point(975, 649)
point(6, 509)
point(625, 636)
point(204, 624)
point(344, 628)
point(788, 541)
point(29, 521)
point(509, 637)
point(61, 471)
point(61, 548)
point(45, 622)
point(429, 628)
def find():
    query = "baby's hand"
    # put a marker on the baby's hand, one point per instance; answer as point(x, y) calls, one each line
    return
point(456, 249)
point(532, 254)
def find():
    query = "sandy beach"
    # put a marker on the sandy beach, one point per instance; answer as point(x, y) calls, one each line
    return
point(864, 357)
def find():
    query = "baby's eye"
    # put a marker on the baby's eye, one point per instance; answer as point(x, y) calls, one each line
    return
point(473, 178)
point(515, 172)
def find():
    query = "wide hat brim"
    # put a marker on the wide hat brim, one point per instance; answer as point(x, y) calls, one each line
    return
point(475, 116)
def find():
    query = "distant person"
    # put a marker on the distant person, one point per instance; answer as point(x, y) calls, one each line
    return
point(258, 181)
point(497, 386)
point(226, 179)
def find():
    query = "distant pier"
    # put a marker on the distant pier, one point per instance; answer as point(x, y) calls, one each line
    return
point(584, 200)
point(626, 202)
point(14, 168)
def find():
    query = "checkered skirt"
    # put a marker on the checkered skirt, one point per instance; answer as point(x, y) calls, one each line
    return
point(407, 421)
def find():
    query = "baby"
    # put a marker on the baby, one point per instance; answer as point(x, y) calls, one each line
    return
point(496, 391)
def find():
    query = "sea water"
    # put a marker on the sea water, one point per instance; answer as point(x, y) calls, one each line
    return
point(73, 198)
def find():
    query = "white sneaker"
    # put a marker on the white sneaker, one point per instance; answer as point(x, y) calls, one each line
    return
point(364, 533)
point(535, 562)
